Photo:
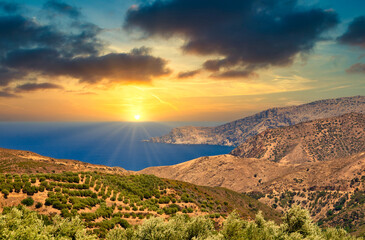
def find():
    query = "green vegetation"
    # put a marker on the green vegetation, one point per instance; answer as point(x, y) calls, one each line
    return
point(347, 212)
point(296, 225)
point(331, 207)
point(106, 201)
point(28, 201)
point(20, 223)
point(109, 205)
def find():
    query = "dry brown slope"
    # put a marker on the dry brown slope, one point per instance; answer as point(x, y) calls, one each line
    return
point(238, 174)
point(18, 161)
point(316, 186)
point(250, 174)
point(274, 158)
point(317, 140)
point(236, 132)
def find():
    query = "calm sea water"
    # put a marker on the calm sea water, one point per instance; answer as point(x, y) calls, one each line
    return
point(111, 144)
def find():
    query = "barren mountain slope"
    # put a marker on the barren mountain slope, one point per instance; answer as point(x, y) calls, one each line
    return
point(238, 174)
point(236, 132)
point(301, 151)
point(250, 174)
point(312, 141)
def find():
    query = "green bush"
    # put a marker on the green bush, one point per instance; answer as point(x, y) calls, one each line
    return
point(296, 225)
point(38, 205)
point(6, 193)
point(20, 223)
point(28, 201)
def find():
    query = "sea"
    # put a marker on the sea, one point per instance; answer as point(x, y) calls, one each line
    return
point(108, 143)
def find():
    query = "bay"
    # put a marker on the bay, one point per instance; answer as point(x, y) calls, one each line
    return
point(107, 143)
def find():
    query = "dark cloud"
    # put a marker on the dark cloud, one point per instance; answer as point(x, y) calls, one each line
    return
point(63, 8)
point(141, 51)
point(21, 32)
point(6, 94)
point(355, 34)
point(234, 74)
point(137, 65)
point(29, 87)
point(357, 68)
point(188, 74)
point(8, 75)
point(9, 7)
point(247, 34)
point(30, 47)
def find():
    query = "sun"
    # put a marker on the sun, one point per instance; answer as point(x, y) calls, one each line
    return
point(137, 117)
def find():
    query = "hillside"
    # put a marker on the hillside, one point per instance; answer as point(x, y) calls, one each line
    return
point(250, 174)
point(319, 165)
point(325, 145)
point(105, 198)
point(317, 140)
point(18, 161)
point(236, 132)
point(326, 188)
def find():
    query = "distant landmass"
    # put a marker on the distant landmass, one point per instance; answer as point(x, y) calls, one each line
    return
point(236, 132)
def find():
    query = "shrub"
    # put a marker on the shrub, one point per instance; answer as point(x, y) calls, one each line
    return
point(6, 193)
point(20, 223)
point(38, 205)
point(28, 201)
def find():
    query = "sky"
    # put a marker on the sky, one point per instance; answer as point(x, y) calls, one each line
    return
point(175, 60)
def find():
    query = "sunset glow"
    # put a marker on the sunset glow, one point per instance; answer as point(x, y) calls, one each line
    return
point(111, 62)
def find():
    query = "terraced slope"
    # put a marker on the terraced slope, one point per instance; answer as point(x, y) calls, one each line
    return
point(106, 198)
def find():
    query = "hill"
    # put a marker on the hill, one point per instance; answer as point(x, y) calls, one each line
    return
point(236, 132)
point(106, 198)
point(319, 165)
point(18, 161)
point(250, 174)
point(332, 191)
point(317, 140)
point(277, 156)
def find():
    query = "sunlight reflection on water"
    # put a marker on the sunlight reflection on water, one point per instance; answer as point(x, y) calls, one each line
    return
point(111, 143)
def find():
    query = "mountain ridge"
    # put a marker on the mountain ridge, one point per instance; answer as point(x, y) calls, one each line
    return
point(312, 141)
point(236, 132)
